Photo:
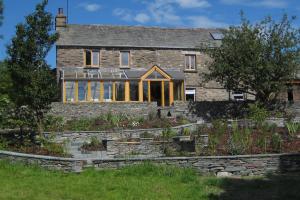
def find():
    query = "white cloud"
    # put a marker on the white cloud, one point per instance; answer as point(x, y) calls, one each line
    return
point(124, 14)
point(193, 3)
point(142, 18)
point(205, 22)
point(257, 3)
point(90, 7)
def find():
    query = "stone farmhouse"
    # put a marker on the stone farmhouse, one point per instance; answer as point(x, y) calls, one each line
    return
point(101, 63)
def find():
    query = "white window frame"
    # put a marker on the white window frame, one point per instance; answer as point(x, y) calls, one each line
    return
point(188, 66)
point(191, 91)
point(236, 96)
point(121, 63)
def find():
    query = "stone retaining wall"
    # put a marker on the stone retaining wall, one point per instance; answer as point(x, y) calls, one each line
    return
point(245, 165)
point(79, 110)
point(48, 162)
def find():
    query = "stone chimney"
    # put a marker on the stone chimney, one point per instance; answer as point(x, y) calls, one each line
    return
point(60, 19)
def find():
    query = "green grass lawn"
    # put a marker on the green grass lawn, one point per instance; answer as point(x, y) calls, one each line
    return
point(137, 182)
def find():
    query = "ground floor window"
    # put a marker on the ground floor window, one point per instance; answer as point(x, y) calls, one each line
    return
point(95, 91)
point(190, 94)
point(178, 90)
point(82, 90)
point(145, 91)
point(120, 91)
point(238, 96)
point(107, 91)
point(70, 91)
point(290, 94)
point(134, 90)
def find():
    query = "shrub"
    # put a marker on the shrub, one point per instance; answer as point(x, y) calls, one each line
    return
point(240, 139)
point(83, 124)
point(186, 132)
point(168, 133)
point(219, 128)
point(53, 123)
point(293, 128)
point(3, 144)
point(258, 114)
point(276, 142)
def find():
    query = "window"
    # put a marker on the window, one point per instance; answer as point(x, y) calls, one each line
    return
point(190, 62)
point(92, 58)
point(124, 58)
point(238, 96)
point(134, 91)
point(95, 91)
point(82, 90)
point(107, 91)
point(120, 91)
point(145, 91)
point(190, 94)
point(70, 91)
point(177, 90)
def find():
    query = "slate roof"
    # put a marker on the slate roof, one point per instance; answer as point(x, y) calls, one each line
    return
point(136, 36)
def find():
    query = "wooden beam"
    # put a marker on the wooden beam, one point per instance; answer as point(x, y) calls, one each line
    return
point(149, 91)
point(114, 91)
point(64, 92)
point(162, 93)
point(141, 91)
point(182, 91)
point(76, 91)
point(171, 92)
point(127, 91)
point(89, 91)
point(101, 96)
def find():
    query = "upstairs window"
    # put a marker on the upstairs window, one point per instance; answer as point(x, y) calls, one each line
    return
point(92, 58)
point(190, 62)
point(124, 59)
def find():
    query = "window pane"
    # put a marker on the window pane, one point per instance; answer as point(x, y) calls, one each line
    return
point(167, 94)
point(82, 91)
point(70, 91)
point(95, 91)
point(134, 91)
point(107, 91)
point(177, 91)
point(155, 75)
point(193, 62)
point(95, 58)
point(120, 91)
point(124, 58)
point(88, 58)
point(145, 90)
point(190, 94)
point(187, 61)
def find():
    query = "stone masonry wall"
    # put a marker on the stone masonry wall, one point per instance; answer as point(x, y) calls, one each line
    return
point(78, 110)
point(146, 58)
point(48, 162)
point(246, 165)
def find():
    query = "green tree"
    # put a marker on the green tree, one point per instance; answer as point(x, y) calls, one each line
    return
point(33, 85)
point(258, 59)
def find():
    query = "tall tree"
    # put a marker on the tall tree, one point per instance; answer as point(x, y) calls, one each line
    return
point(257, 59)
point(33, 85)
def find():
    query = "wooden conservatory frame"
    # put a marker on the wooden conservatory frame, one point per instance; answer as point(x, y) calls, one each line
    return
point(145, 78)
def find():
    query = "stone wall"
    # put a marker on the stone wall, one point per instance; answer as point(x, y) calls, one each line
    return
point(246, 165)
point(145, 147)
point(78, 110)
point(48, 162)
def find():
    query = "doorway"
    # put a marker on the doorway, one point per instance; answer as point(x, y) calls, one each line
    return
point(155, 91)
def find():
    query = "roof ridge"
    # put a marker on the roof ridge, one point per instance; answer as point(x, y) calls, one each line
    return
point(147, 27)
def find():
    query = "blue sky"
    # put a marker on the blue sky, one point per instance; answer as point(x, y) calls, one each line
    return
point(165, 13)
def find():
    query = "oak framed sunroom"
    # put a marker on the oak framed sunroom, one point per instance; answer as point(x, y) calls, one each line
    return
point(96, 85)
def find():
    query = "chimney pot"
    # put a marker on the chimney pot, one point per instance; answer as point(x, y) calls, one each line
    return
point(60, 19)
